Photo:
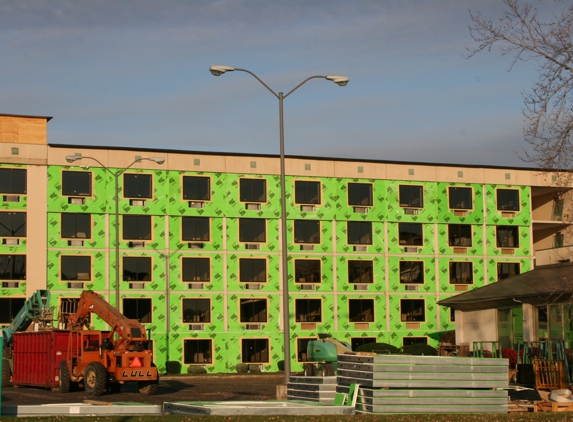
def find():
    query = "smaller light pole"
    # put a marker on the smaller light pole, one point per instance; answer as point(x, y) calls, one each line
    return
point(115, 174)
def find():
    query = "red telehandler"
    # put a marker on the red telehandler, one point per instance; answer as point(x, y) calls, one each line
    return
point(104, 361)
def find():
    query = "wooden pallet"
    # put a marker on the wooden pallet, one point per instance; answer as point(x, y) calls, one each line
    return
point(549, 374)
point(552, 406)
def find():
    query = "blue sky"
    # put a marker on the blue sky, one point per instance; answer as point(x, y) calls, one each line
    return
point(135, 73)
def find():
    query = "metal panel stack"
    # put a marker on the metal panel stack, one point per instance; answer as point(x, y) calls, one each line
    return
point(425, 384)
point(316, 389)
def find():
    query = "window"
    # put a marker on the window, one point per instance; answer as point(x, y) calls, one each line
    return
point(306, 231)
point(9, 308)
point(460, 234)
point(12, 224)
point(76, 268)
point(252, 230)
point(356, 342)
point(196, 310)
point(76, 226)
point(452, 315)
point(197, 351)
point(508, 199)
point(411, 196)
point(137, 268)
point(460, 198)
point(255, 350)
point(360, 194)
point(507, 236)
point(196, 188)
point(137, 227)
point(360, 271)
point(361, 310)
point(307, 271)
point(507, 269)
point(253, 310)
point(137, 185)
point(139, 309)
point(195, 229)
point(410, 234)
point(558, 240)
point(412, 272)
point(461, 273)
point(302, 347)
point(308, 310)
point(252, 270)
point(306, 192)
point(12, 181)
point(412, 310)
point(69, 306)
point(196, 269)
point(410, 341)
point(12, 267)
point(253, 190)
point(359, 232)
point(76, 183)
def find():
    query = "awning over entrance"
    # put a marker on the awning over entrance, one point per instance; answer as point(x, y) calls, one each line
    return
point(544, 285)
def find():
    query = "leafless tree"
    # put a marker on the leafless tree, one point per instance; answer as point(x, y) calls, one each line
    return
point(521, 34)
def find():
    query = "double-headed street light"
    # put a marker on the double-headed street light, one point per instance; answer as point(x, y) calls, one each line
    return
point(116, 174)
point(339, 80)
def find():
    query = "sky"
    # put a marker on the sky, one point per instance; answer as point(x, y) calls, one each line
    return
point(135, 73)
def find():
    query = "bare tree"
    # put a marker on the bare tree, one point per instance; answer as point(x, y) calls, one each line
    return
point(548, 111)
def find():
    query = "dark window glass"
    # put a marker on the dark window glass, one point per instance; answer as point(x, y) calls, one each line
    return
point(139, 309)
point(76, 183)
point(411, 196)
point(196, 310)
point(360, 194)
point(508, 199)
point(308, 310)
point(136, 185)
point(76, 268)
point(410, 341)
point(460, 198)
point(507, 269)
point(255, 350)
point(301, 348)
point(452, 315)
point(460, 234)
point(412, 272)
point(361, 271)
point(359, 232)
point(9, 308)
point(412, 310)
point(361, 310)
point(12, 224)
point(410, 234)
point(76, 226)
point(137, 227)
point(196, 269)
point(307, 271)
point(306, 192)
point(461, 273)
point(197, 351)
point(252, 230)
point(253, 310)
point(253, 190)
point(196, 188)
point(195, 229)
point(12, 181)
point(507, 236)
point(252, 270)
point(137, 268)
point(306, 231)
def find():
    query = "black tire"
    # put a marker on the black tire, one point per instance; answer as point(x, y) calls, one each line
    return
point(95, 379)
point(65, 380)
point(115, 387)
point(147, 388)
point(6, 373)
point(309, 370)
point(327, 370)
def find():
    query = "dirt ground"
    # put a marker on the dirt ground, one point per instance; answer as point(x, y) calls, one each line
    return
point(171, 389)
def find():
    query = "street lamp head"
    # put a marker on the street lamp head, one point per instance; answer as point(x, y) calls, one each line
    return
point(72, 158)
point(219, 70)
point(158, 160)
point(339, 80)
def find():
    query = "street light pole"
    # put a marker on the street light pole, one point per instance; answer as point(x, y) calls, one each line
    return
point(116, 174)
point(341, 81)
